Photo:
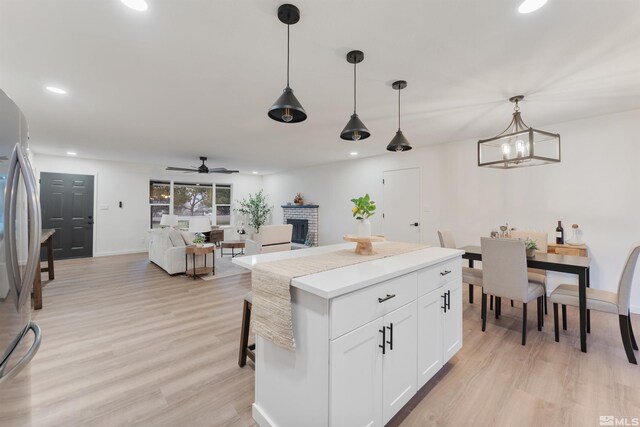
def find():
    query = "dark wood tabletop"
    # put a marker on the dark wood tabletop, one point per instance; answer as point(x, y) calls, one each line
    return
point(577, 265)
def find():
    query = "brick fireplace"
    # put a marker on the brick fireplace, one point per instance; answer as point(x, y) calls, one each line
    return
point(305, 223)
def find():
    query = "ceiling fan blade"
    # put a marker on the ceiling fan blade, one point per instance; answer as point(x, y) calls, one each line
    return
point(171, 168)
point(222, 170)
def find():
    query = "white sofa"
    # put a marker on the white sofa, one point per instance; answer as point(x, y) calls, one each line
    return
point(167, 250)
point(272, 238)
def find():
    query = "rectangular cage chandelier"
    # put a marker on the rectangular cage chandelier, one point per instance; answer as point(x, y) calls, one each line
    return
point(519, 145)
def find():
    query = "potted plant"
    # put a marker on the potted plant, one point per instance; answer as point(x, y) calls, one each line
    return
point(199, 240)
point(255, 209)
point(531, 247)
point(363, 208)
point(242, 233)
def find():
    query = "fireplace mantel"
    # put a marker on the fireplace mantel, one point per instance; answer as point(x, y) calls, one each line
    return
point(300, 206)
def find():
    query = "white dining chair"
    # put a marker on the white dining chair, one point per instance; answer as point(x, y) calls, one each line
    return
point(536, 275)
point(504, 272)
point(471, 276)
point(609, 302)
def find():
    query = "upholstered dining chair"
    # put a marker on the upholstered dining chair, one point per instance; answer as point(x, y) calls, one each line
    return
point(471, 276)
point(504, 275)
point(536, 275)
point(609, 302)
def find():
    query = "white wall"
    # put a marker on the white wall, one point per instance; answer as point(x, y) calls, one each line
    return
point(595, 186)
point(125, 230)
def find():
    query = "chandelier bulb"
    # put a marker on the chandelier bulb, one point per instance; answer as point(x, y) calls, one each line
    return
point(356, 136)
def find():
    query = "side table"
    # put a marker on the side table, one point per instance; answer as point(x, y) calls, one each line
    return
point(194, 250)
point(233, 245)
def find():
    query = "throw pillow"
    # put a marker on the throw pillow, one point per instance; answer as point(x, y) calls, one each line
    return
point(176, 237)
point(188, 237)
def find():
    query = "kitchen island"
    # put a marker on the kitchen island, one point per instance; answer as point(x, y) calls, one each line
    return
point(368, 336)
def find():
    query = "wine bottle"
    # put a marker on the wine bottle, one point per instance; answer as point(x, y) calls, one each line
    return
point(560, 234)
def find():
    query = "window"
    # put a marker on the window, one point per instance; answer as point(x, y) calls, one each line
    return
point(189, 199)
point(159, 201)
point(192, 199)
point(223, 204)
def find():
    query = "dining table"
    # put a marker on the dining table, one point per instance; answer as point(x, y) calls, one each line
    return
point(577, 265)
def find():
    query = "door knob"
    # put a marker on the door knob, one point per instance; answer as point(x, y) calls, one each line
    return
point(415, 224)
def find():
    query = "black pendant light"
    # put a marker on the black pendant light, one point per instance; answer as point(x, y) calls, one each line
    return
point(287, 109)
point(355, 130)
point(399, 143)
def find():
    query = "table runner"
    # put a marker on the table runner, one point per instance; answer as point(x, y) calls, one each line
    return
point(271, 282)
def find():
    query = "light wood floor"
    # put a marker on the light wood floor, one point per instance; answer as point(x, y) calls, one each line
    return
point(126, 344)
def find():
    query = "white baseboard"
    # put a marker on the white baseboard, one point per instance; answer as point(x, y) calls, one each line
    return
point(121, 252)
point(261, 418)
point(635, 309)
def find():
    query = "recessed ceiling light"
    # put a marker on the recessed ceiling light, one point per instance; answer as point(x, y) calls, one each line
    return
point(139, 5)
point(71, 153)
point(528, 6)
point(255, 172)
point(353, 153)
point(57, 90)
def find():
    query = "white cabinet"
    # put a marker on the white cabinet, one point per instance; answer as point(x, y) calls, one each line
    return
point(452, 320)
point(373, 369)
point(439, 328)
point(362, 354)
point(399, 360)
point(430, 354)
point(356, 377)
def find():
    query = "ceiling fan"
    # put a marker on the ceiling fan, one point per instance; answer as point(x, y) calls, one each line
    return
point(202, 168)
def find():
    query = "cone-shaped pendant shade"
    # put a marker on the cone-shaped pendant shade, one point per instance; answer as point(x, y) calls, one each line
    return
point(287, 108)
point(399, 143)
point(355, 130)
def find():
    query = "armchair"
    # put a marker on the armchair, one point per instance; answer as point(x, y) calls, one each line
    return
point(272, 238)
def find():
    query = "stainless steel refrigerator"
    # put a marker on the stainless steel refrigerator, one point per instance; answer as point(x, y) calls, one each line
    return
point(20, 228)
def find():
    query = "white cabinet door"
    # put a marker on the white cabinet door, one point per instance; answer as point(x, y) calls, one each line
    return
point(430, 317)
point(356, 377)
point(452, 328)
point(399, 360)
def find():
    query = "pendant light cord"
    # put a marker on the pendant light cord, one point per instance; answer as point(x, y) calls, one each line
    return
point(288, 54)
point(354, 88)
point(399, 108)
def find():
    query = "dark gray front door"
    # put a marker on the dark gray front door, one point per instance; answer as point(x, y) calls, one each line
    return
point(67, 205)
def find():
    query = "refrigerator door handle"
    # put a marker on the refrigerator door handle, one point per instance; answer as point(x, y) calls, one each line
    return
point(4, 376)
point(35, 226)
point(11, 252)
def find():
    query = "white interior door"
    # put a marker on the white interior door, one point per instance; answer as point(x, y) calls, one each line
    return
point(402, 205)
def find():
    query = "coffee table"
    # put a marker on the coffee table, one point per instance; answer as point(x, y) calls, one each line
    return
point(233, 245)
point(194, 250)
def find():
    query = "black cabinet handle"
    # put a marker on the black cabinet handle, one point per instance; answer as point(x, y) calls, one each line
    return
point(444, 273)
point(388, 297)
point(90, 222)
point(390, 342)
point(444, 306)
point(384, 338)
point(415, 224)
point(448, 299)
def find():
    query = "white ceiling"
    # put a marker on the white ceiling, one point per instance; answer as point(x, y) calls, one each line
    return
point(191, 77)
